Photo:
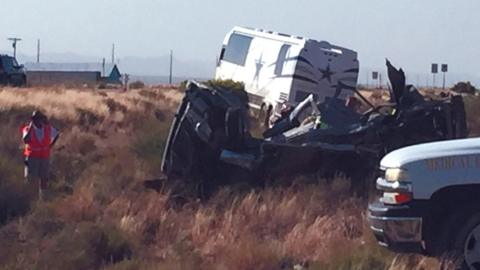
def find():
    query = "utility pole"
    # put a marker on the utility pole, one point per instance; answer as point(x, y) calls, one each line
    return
point(38, 50)
point(368, 75)
point(434, 72)
point(171, 67)
point(113, 53)
point(443, 84)
point(103, 67)
point(14, 45)
point(375, 78)
point(444, 70)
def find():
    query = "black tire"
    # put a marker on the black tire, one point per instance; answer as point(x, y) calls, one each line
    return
point(464, 248)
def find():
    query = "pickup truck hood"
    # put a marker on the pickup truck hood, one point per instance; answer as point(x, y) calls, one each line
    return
point(425, 151)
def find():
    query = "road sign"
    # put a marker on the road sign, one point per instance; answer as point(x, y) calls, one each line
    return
point(444, 68)
point(434, 68)
point(375, 75)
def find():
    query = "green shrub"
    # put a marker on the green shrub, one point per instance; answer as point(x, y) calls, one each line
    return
point(227, 84)
point(236, 87)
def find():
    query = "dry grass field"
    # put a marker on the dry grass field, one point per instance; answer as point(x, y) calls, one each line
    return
point(100, 216)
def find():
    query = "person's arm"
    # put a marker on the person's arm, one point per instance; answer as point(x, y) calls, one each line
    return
point(26, 133)
point(55, 135)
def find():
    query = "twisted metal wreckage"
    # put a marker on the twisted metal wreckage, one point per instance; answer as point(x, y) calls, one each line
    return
point(210, 143)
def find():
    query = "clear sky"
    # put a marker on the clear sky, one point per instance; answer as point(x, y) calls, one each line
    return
point(412, 33)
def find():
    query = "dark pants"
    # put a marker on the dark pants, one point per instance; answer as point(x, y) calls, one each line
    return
point(37, 168)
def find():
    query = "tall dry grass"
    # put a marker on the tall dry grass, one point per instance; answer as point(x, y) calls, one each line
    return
point(100, 216)
point(66, 103)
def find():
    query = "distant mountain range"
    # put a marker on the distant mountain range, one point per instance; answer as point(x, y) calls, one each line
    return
point(149, 69)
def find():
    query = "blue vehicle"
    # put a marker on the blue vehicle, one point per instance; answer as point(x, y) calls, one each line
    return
point(11, 73)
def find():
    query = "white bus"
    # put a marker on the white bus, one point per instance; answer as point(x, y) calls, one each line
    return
point(280, 69)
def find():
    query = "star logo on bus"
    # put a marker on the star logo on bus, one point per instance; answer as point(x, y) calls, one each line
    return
point(327, 73)
point(259, 65)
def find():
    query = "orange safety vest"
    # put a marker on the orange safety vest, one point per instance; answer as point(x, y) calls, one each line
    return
point(36, 148)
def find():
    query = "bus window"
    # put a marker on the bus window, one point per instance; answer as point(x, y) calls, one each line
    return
point(237, 49)
point(222, 54)
point(282, 54)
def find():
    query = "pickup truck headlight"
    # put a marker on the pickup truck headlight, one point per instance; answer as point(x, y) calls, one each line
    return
point(396, 189)
point(395, 174)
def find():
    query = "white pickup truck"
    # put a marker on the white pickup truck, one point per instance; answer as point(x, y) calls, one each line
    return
point(431, 200)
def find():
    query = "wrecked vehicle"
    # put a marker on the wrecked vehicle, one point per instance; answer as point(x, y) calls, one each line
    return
point(210, 143)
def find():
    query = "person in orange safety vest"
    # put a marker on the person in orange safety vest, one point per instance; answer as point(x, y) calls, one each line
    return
point(39, 137)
